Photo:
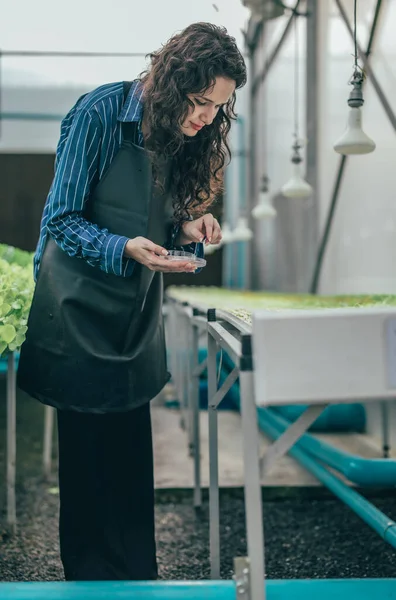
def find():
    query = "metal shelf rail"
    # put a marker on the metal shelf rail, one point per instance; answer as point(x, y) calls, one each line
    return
point(294, 357)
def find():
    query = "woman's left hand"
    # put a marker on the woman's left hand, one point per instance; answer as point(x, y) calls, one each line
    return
point(205, 228)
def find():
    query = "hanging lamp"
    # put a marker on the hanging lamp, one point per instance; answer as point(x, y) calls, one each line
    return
point(296, 187)
point(264, 208)
point(226, 233)
point(242, 232)
point(354, 140)
point(265, 9)
point(211, 249)
point(226, 238)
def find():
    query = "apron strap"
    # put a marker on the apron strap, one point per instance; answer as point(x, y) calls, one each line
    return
point(129, 130)
point(126, 86)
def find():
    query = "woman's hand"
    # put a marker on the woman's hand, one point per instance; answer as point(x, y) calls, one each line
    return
point(151, 256)
point(205, 228)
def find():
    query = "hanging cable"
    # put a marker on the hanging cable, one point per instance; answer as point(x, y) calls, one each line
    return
point(296, 81)
point(264, 208)
point(296, 187)
point(358, 73)
point(354, 32)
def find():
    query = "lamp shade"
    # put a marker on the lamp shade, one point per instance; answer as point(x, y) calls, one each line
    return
point(227, 234)
point(264, 208)
point(265, 9)
point(242, 233)
point(211, 249)
point(296, 187)
point(354, 140)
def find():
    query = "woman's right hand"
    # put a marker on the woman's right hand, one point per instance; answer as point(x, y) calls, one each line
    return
point(150, 255)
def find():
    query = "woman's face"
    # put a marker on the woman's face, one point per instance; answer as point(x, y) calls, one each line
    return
point(207, 105)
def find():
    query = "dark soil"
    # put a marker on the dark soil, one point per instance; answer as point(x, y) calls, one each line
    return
point(309, 533)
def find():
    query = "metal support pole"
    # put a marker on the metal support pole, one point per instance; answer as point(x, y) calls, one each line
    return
point(11, 443)
point(214, 505)
point(329, 222)
point(225, 387)
point(251, 458)
point(310, 219)
point(385, 429)
point(187, 374)
point(171, 343)
point(251, 261)
point(179, 370)
point(292, 434)
point(48, 436)
point(62, 54)
point(258, 80)
point(184, 356)
point(179, 375)
point(194, 391)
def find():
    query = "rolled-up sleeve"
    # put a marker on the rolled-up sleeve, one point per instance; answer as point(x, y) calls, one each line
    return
point(76, 174)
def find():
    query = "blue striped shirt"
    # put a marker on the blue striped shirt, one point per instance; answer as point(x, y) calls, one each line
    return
point(90, 137)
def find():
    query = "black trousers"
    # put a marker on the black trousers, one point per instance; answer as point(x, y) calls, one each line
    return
point(106, 485)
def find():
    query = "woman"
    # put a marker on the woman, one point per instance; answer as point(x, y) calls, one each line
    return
point(129, 156)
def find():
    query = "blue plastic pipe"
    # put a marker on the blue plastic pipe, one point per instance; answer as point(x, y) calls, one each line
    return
point(362, 471)
point(358, 470)
point(335, 417)
point(4, 366)
point(287, 589)
point(376, 519)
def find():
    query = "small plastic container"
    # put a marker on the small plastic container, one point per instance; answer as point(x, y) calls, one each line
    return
point(180, 256)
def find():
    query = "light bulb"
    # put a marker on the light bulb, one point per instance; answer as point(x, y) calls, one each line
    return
point(296, 187)
point(227, 235)
point(264, 208)
point(242, 233)
point(354, 140)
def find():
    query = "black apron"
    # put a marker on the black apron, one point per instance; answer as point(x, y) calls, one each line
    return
point(95, 341)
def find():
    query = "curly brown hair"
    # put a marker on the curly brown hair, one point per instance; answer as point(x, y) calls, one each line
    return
point(189, 63)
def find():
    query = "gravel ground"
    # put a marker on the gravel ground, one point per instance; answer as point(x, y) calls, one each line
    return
point(309, 534)
point(306, 538)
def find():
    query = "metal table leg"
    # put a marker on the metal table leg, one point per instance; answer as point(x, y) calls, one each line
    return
point(182, 368)
point(48, 436)
point(194, 391)
point(214, 509)
point(11, 443)
point(187, 352)
point(251, 458)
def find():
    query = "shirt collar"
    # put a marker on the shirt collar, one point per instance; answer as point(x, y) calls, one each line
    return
point(132, 109)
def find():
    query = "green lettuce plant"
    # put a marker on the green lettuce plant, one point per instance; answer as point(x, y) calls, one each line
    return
point(16, 292)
